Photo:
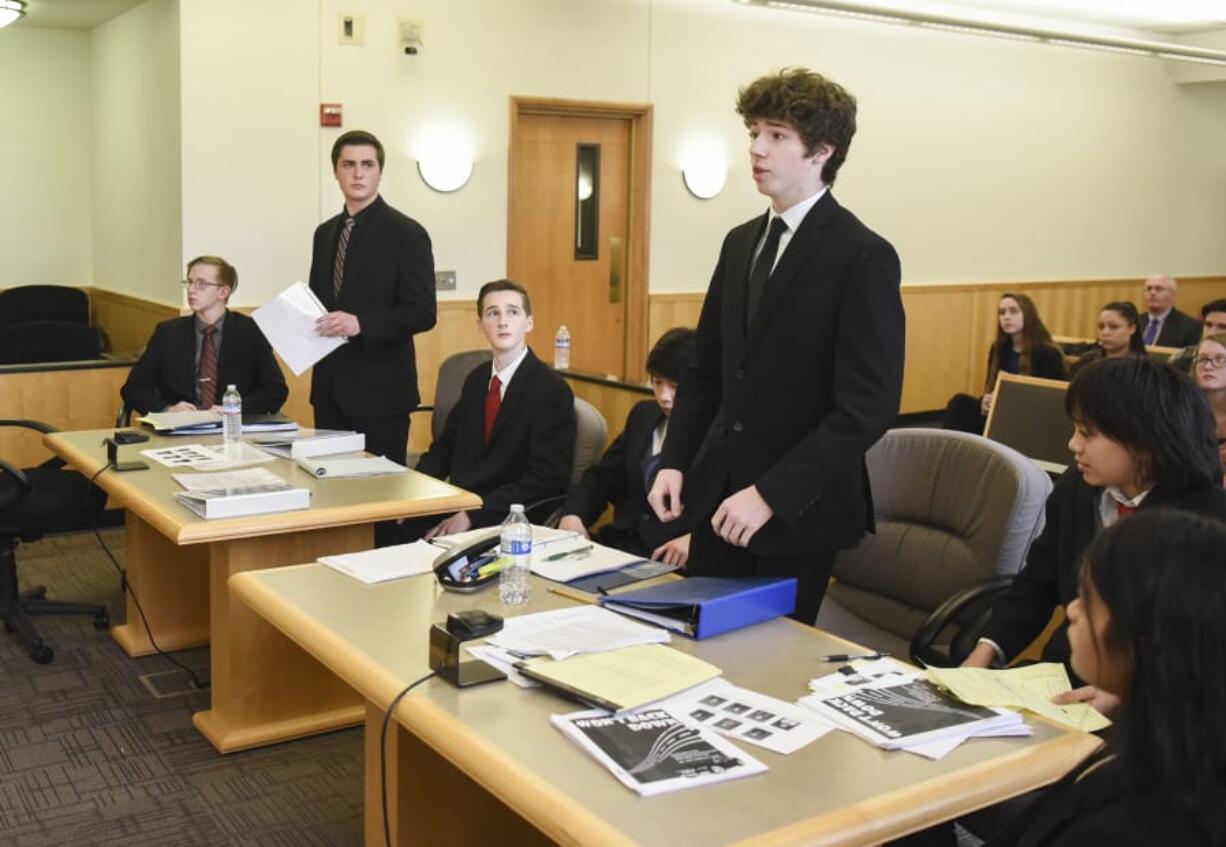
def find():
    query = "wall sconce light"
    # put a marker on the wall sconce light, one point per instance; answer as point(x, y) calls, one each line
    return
point(704, 169)
point(10, 11)
point(444, 159)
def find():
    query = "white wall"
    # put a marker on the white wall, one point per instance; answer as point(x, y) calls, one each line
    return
point(45, 151)
point(981, 159)
point(137, 211)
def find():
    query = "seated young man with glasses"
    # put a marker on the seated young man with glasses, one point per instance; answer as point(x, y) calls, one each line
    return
point(189, 361)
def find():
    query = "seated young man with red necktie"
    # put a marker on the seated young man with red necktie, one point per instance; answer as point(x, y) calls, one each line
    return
point(189, 361)
point(511, 436)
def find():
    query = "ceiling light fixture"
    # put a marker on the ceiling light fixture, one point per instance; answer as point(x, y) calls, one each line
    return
point(10, 11)
point(1087, 41)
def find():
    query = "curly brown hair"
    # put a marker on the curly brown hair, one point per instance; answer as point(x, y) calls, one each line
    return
point(820, 109)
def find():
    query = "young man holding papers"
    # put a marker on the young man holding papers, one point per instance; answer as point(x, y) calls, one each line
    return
point(189, 361)
point(511, 436)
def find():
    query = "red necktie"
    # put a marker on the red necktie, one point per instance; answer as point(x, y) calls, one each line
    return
point(1123, 510)
point(493, 400)
point(206, 382)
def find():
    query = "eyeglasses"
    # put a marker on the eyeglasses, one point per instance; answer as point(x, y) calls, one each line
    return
point(198, 284)
point(1210, 361)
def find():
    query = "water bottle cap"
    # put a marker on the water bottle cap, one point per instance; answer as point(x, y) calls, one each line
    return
point(517, 507)
point(231, 387)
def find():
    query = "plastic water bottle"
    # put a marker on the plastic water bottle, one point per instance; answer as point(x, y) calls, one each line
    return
point(561, 348)
point(516, 548)
point(231, 416)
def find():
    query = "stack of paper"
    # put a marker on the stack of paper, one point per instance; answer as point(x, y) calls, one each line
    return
point(342, 468)
point(254, 491)
point(560, 633)
point(652, 752)
point(577, 557)
point(206, 422)
point(617, 680)
point(542, 537)
point(904, 711)
point(385, 563)
point(1029, 687)
point(311, 442)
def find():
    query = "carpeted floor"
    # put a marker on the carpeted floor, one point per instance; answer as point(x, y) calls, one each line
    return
point(89, 756)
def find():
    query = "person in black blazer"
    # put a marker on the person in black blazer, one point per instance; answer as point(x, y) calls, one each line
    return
point(512, 441)
point(373, 270)
point(799, 360)
point(1146, 626)
point(1022, 346)
point(168, 376)
point(625, 472)
point(1175, 329)
point(1143, 439)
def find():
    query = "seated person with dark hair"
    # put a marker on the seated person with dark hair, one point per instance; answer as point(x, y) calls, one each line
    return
point(511, 436)
point(190, 360)
point(1213, 320)
point(623, 476)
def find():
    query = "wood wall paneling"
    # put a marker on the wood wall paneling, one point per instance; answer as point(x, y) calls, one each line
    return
point(67, 399)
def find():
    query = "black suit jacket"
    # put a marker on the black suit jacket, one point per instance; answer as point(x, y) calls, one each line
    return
point(792, 404)
point(389, 286)
point(1178, 330)
point(1094, 805)
point(1049, 578)
point(166, 372)
point(532, 446)
point(619, 478)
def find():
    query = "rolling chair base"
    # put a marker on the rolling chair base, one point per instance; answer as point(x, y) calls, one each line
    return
point(16, 615)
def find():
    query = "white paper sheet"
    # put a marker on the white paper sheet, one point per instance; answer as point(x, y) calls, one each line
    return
point(560, 633)
point(385, 563)
point(748, 716)
point(356, 466)
point(503, 661)
point(582, 558)
point(288, 322)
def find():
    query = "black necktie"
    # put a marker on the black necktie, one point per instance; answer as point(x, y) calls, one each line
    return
point(762, 268)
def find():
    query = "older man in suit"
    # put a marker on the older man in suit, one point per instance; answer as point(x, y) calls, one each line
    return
point(511, 436)
point(373, 269)
point(189, 361)
point(1162, 324)
point(799, 359)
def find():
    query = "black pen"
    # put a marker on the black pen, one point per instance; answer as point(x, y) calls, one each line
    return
point(851, 657)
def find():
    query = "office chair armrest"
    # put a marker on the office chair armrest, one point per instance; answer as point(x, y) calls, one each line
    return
point(17, 494)
point(546, 512)
point(35, 425)
point(124, 418)
point(969, 608)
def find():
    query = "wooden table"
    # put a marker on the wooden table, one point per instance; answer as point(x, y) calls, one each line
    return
point(264, 689)
point(484, 765)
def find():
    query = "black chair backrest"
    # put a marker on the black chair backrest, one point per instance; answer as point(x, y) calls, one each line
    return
point(451, 374)
point(43, 303)
point(48, 341)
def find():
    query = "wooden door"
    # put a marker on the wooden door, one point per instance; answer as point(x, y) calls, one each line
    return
point(588, 293)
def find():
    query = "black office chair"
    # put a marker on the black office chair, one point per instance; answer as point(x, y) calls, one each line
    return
point(48, 341)
point(35, 501)
point(43, 303)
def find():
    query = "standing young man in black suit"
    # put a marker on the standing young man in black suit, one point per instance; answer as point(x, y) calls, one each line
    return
point(799, 363)
point(373, 270)
point(511, 436)
point(189, 361)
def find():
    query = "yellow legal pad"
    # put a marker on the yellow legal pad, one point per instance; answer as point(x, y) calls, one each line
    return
point(622, 679)
point(1028, 687)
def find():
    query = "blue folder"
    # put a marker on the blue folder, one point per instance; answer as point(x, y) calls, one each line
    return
point(702, 606)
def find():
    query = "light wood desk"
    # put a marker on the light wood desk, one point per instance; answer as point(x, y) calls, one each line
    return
point(264, 689)
point(484, 765)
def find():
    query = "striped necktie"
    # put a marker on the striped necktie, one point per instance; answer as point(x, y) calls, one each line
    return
point(338, 268)
point(206, 375)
